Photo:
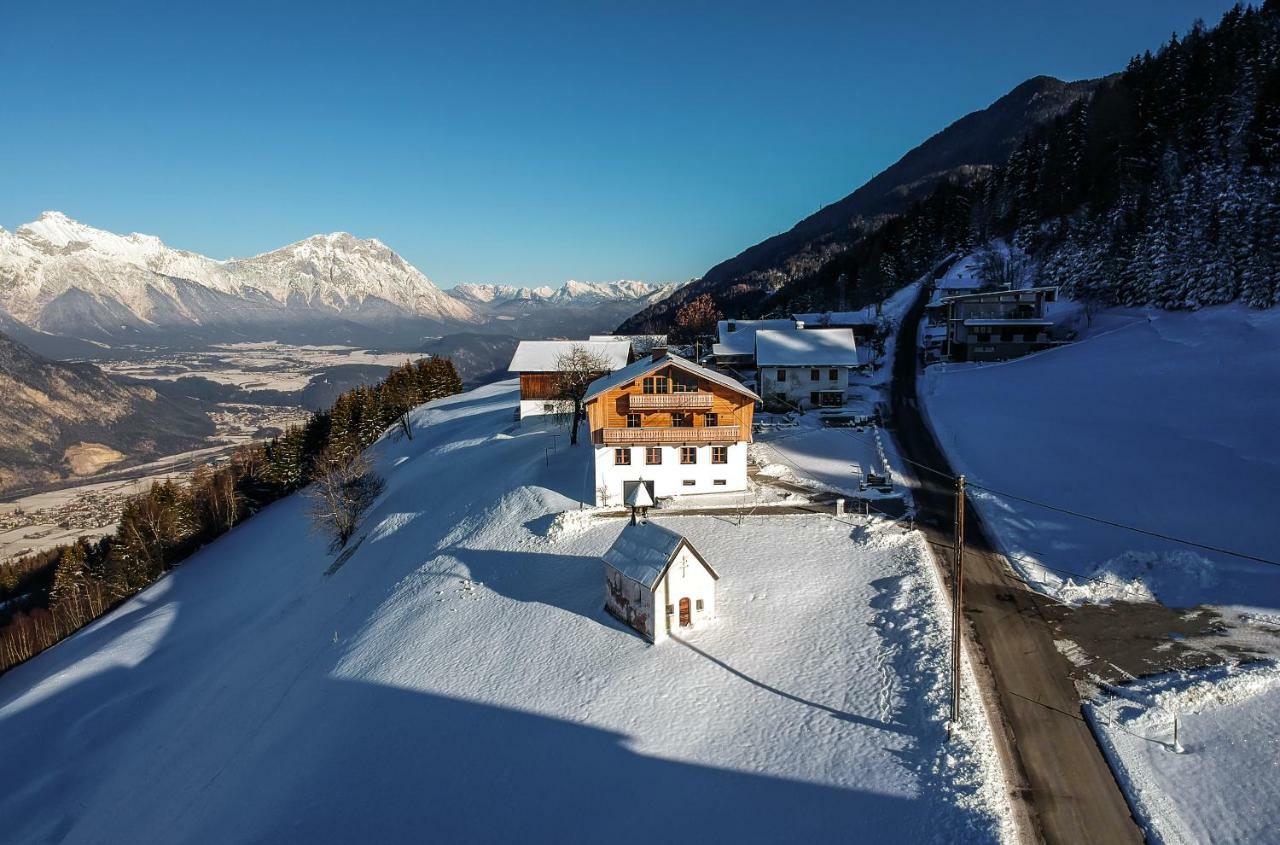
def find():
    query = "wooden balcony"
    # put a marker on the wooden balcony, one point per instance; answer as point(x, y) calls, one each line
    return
point(670, 434)
point(663, 401)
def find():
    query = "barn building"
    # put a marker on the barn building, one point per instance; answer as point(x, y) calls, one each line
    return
point(656, 582)
point(537, 364)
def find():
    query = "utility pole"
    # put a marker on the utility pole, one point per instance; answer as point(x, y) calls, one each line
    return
point(957, 605)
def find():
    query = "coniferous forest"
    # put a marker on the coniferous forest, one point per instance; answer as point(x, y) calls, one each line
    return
point(1162, 188)
point(47, 596)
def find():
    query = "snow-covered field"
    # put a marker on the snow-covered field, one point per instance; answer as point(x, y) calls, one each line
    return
point(1218, 784)
point(1166, 421)
point(457, 679)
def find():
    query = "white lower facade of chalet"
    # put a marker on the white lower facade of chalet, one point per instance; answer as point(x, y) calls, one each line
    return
point(670, 477)
point(798, 386)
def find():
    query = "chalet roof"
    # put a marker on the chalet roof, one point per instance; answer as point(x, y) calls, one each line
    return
point(648, 364)
point(643, 552)
point(742, 340)
point(540, 356)
point(808, 348)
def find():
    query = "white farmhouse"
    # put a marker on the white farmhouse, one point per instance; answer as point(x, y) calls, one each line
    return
point(657, 583)
point(670, 424)
point(537, 364)
point(808, 368)
point(736, 340)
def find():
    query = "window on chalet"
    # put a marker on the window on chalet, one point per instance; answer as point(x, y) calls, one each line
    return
point(688, 454)
point(782, 375)
point(681, 419)
point(813, 375)
point(720, 482)
point(710, 419)
point(833, 375)
point(688, 482)
point(684, 384)
point(653, 455)
point(698, 604)
point(622, 457)
point(656, 384)
point(719, 454)
point(633, 420)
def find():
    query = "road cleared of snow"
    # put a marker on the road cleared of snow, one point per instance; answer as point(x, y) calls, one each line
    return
point(458, 679)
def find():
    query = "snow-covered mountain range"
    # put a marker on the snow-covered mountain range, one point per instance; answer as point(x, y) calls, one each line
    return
point(570, 293)
point(63, 277)
point(67, 279)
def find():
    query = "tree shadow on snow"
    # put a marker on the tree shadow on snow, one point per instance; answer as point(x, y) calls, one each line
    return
point(574, 583)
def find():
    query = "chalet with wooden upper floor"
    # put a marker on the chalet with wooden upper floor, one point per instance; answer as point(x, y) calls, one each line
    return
point(670, 424)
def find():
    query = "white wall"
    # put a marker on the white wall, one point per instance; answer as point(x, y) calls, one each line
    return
point(669, 476)
point(797, 386)
point(538, 407)
point(686, 578)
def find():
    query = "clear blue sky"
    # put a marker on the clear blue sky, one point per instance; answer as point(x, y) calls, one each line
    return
point(523, 143)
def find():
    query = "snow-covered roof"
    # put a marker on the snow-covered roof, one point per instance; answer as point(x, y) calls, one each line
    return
point(819, 319)
point(648, 364)
point(639, 497)
point(643, 551)
point(981, 294)
point(811, 347)
point(742, 340)
point(541, 356)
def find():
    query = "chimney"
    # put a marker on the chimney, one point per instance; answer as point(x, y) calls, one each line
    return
point(659, 352)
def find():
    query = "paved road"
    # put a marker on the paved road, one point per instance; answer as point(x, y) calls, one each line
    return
point(1073, 796)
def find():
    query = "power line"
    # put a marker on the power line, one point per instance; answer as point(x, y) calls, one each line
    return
point(1124, 587)
point(1101, 520)
point(1114, 524)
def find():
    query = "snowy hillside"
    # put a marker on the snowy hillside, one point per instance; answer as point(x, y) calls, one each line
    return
point(456, 679)
point(62, 276)
point(1160, 420)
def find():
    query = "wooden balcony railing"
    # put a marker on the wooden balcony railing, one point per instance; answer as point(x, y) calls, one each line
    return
point(650, 401)
point(670, 434)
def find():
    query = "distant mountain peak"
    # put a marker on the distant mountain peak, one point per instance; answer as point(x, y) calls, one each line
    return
point(63, 276)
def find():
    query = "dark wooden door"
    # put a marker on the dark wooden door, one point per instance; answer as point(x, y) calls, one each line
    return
point(685, 619)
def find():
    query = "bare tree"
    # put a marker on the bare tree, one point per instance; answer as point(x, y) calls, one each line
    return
point(575, 370)
point(1001, 269)
point(343, 488)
